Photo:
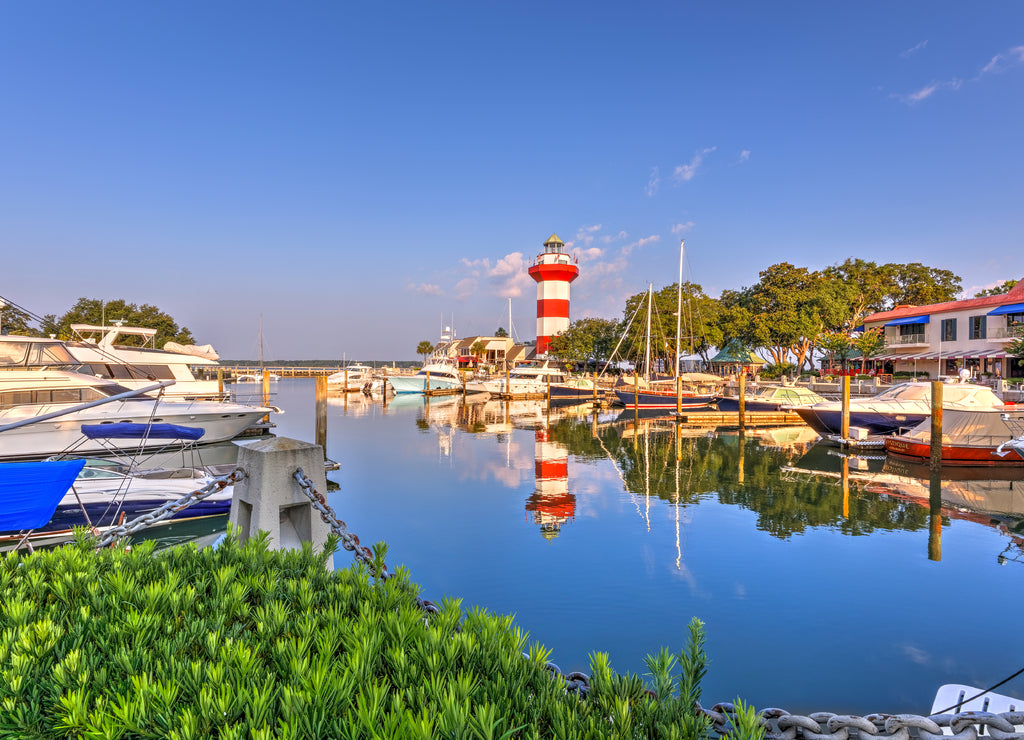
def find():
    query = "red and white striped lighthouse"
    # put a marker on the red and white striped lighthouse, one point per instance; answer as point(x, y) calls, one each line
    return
point(553, 270)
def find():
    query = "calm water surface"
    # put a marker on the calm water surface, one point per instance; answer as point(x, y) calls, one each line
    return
point(604, 534)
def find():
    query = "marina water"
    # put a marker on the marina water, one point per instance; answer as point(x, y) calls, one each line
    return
point(607, 533)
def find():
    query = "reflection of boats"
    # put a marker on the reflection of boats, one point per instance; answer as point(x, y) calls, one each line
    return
point(786, 438)
point(968, 438)
point(256, 377)
point(770, 398)
point(901, 407)
point(76, 400)
point(351, 378)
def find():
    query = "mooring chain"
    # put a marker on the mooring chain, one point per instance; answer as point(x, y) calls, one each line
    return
point(781, 725)
point(349, 540)
point(171, 508)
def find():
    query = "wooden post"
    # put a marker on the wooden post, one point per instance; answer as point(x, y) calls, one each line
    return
point(636, 392)
point(844, 430)
point(548, 377)
point(742, 420)
point(346, 380)
point(220, 381)
point(679, 394)
point(320, 436)
point(508, 382)
point(595, 388)
point(426, 388)
point(936, 441)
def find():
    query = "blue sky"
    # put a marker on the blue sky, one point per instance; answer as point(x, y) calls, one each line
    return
point(353, 171)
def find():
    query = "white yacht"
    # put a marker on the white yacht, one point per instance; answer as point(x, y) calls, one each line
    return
point(135, 366)
point(532, 376)
point(42, 412)
point(350, 378)
point(440, 373)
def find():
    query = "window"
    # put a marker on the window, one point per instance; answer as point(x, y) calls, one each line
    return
point(949, 330)
point(977, 326)
point(910, 333)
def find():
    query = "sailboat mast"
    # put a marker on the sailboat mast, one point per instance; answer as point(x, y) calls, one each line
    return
point(647, 343)
point(261, 341)
point(679, 305)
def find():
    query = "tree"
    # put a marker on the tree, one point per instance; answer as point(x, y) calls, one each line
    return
point(586, 339)
point(869, 343)
point(875, 287)
point(424, 348)
point(698, 324)
point(501, 332)
point(15, 321)
point(919, 285)
point(1000, 289)
point(836, 344)
point(478, 348)
point(99, 312)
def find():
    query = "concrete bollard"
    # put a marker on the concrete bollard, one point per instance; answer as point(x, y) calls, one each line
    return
point(269, 498)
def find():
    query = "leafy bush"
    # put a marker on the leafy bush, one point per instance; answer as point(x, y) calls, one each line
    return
point(910, 374)
point(777, 371)
point(243, 641)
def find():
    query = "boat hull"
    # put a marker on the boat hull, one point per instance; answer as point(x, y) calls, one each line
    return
point(960, 455)
point(731, 403)
point(829, 421)
point(647, 399)
point(418, 383)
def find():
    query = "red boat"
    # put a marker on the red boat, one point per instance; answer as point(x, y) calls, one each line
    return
point(969, 438)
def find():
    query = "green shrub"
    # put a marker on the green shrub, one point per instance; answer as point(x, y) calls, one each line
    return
point(777, 371)
point(242, 641)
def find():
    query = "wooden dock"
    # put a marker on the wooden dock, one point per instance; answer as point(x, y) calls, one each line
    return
point(731, 419)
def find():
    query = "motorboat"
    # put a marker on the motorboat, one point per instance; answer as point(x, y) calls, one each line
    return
point(132, 366)
point(573, 390)
point(438, 374)
point(350, 378)
point(969, 438)
point(42, 413)
point(531, 377)
point(770, 398)
point(897, 409)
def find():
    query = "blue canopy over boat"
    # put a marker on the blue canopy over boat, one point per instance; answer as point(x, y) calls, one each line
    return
point(30, 491)
point(129, 430)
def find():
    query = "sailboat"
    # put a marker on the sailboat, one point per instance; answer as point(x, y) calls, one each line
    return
point(699, 391)
point(258, 377)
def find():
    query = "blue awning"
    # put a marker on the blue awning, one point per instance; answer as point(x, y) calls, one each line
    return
point(909, 320)
point(128, 430)
point(30, 492)
point(1012, 308)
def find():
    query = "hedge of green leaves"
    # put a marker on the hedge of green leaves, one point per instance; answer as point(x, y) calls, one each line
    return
point(243, 641)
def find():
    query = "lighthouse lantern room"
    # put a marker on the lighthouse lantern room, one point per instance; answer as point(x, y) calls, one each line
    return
point(553, 270)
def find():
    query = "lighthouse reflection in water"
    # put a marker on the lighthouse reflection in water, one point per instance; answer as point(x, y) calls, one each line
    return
point(608, 533)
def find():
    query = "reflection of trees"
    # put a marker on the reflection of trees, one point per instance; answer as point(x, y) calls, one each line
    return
point(709, 465)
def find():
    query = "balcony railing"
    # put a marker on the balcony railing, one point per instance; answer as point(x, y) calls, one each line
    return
point(904, 339)
point(1002, 333)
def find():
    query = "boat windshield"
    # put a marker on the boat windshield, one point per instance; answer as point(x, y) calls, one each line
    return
point(906, 392)
point(29, 353)
point(45, 396)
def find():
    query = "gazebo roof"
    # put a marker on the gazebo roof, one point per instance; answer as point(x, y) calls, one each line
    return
point(736, 354)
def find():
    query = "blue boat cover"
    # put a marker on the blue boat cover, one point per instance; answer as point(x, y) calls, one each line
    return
point(129, 430)
point(1012, 308)
point(909, 320)
point(30, 491)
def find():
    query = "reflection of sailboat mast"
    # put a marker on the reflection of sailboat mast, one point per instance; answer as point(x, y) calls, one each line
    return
point(647, 476)
point(675, 500)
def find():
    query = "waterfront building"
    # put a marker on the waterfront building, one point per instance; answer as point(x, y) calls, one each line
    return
point(943, 339)
point(553, 270)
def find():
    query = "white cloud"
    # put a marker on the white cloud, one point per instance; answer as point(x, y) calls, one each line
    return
point(686, 172)
point(744, 156)
point(999, 63)
point(639, 243)
point(652, 182)
point(426, 289)
point(585, 235)
point(465, 288)
point(587, 255)
point(682, 228)
point(609, 238)
point(914, 49)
